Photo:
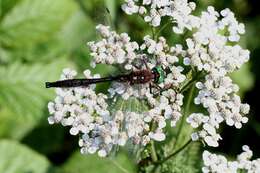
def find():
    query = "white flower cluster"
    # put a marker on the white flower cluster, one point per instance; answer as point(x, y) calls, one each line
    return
point(84, 111)
point(87, 112)
point(218, 96)
point(167, 106)
point(75, 107)
point(153, 10)
point(113, 48)
point(218, 164)
point(209, 51)
point(105, 135)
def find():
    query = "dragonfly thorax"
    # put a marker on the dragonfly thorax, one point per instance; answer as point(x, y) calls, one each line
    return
point(155, 75)
point(159, 74)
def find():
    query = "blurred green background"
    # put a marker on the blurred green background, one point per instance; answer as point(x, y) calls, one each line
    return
point(38, 38)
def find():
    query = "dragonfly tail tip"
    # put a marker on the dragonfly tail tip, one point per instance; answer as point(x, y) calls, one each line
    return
point(48, 84)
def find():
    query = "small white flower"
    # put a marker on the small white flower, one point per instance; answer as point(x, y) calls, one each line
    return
point(102, 153)
point(154, 11)
point(186, 61)
point(51, 120)
point(218, 163)
point(158, 136)
point(74, 131)
point(194, 136)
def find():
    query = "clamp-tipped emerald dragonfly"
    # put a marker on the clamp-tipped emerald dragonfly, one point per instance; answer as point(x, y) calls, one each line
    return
point(153, 76)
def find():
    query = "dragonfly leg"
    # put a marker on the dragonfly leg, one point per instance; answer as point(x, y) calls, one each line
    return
point(166, 87)
point(144, 60)
point(150, 88)
point(136, 66)
point(159, 89)
point(166, 69)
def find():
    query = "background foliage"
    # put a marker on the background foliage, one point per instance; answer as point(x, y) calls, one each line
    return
point(38, 38)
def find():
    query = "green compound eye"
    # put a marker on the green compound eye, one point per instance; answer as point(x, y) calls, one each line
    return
point(159, 70)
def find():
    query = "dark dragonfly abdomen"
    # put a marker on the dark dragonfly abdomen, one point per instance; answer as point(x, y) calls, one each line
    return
point(78, 82)
point(135, 77)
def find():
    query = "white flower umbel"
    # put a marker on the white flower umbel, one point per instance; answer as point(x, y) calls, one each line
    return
point(77, 107)
point(217, 95)
point(214, 163)
point(209, 48)
point(166, 106)
point(113, 48)
point(87, 112)
point(210, 51)
point(105, 135)
point(153, 12)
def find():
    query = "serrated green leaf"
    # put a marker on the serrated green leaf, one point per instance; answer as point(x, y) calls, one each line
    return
point(77, 31)
point(187, 161)
point(17, 158)
point(34, 20)
point(79, 163)
point(23, 94)
point(40, 52)
point(14, 127)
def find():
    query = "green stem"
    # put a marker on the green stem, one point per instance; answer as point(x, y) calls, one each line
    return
point(186, 110)
point(161, 29)
point(110, 20)
point(157, 164)
point(184, 88)
point(194, 79)
point(153, 32)
point(153, 152)
point(175, 153)
point(185, 113)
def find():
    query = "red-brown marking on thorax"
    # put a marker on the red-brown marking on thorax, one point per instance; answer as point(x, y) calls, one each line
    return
point(141, 77)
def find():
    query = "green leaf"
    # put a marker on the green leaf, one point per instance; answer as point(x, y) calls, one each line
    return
point(34, 20)
point(188, 161)
point(23, 94)
point(78, 30)
point(17, 158)
point(53, 139)
point(6, 6)
point(39, 52)
point(79, 163)
point(4, 56)
point(12, 126)
point(111, 6)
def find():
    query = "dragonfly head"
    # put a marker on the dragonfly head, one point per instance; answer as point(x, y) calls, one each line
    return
point(159, 74)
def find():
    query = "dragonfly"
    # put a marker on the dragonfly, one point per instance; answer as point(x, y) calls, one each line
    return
point(154, 77)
